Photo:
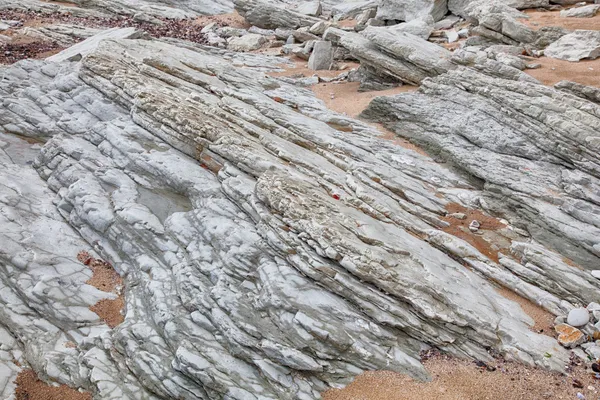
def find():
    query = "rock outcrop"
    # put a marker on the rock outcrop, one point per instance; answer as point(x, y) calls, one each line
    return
point(539, 160)
point(266, 244)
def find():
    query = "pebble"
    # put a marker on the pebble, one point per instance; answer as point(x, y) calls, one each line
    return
point(578, 317)
point(458, 215)
point(474, 226)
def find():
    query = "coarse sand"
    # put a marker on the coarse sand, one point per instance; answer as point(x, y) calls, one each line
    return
point(29, 387)
point(585, 72)
point(105, 278)
point(456, 379)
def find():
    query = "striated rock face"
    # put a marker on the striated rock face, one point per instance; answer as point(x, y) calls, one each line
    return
point(412, 9)
point(536, 158)
point(269, 247)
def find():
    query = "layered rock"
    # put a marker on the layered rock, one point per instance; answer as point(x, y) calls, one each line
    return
point(536, 158)
point(271, 248)
point(410, 10)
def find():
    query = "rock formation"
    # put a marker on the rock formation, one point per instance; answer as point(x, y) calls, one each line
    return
point(176, 223)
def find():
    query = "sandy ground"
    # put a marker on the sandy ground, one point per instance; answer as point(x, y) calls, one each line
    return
point(29, 387)
point(105, 278)
point(345, 97)
point(455, 379)
point(537, 19)
point(585, 72)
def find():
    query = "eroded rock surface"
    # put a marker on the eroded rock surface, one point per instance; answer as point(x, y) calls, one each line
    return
point(292, 256)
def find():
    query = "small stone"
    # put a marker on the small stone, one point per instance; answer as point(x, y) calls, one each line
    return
point(458, 215)
point(596, 273)
point(474, 226)
point(578, 317)
point(569, 336)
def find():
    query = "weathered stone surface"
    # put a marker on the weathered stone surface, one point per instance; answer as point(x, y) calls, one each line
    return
point(312, 8)
point(538, 164)
point(408, 10)
point(576, 46)
point(272, 15)
point(581, 12)
point(499, 22)
point(81, 49)
point(321, 57)
point(394, 53)
point(263, 250)
point(251, 41)
point(569, 336)
point(460, 7)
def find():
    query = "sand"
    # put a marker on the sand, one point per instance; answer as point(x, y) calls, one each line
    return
point(538, 19)
point(105, 278)
point(585, 72)
point(455, 379)
point(347, 99)
point(29, 387)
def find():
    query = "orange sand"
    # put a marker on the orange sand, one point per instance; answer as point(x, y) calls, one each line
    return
point(29, 387)
point(105, 278)
point(455, 379)
point(585, 72)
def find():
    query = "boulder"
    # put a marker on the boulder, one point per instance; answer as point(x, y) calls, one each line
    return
point(79, 50)
point(576, 46)
point(393, 53)
point(249, 42)
point(408, 10)
point(312, 8)
point(321, 57)
point(460, 7)
point(588, 11)
point(269, 15)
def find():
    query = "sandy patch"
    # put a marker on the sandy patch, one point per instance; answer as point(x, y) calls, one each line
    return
point(538, 19)
point(455, 379)
point(543, 320)
point(585, 72)
point(29, 387)
point(105, 278)
point(460, 228)
point(300, 69)
point(345, 98)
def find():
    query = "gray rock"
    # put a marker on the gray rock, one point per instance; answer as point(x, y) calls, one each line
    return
point(525, 166)
point(81, 49)
point(249, 42)
point(321, 57)
point(400, 55)
point(312, 8)
point(351, 9)
point(271, 16)
point(459, 7)
point(184, 171)
point(588, 11)
point(303, 35)
point(408, 10)
point(576, 46)
point(578, 317)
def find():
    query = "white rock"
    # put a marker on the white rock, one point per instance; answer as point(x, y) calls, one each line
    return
point(596, 273)
point(249, 42)
point(578, 317)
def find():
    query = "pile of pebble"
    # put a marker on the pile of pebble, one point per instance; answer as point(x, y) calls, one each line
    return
point(580, 330)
